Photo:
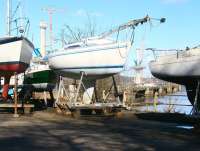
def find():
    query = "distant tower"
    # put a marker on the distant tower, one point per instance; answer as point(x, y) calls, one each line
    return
point(50, 12)
point(138, 67)
point(139, 74)
point(43, 27)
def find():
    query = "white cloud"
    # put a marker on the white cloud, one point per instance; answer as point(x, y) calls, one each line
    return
point(81, 12)
point(174, 1)
point(84, 13)
point(97, 14)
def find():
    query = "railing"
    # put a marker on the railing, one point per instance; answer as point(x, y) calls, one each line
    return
point(178, 53)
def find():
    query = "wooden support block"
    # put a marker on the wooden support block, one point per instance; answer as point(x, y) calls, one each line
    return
point(27, 110)
point(27, 107)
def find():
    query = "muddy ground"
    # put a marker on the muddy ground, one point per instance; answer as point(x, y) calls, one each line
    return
point(47, 131)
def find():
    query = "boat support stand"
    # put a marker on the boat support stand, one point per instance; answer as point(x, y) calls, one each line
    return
point(60, 95)
point(15, 96)
point(68, 102)
point(196, 106)
point(72, 105)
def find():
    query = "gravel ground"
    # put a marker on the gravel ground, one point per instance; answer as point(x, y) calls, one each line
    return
point(47, 131)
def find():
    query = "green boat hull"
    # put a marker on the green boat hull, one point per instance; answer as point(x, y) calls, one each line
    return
point(44, 76)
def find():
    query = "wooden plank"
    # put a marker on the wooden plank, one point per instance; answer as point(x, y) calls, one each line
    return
point(95, 107)
point(10, 105)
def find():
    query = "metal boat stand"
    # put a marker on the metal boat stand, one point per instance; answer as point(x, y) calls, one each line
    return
point(116, 91)
point(60, 96)
point(65, 104)
point(196, 107)
point(68, 102)
point(61, 88)
point(116, 94)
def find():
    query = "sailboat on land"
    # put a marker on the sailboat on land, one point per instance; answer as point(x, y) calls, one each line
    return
point(93, 58)
point(182, 68)
point(98, 57)
point(16, 52)
point(40, 77)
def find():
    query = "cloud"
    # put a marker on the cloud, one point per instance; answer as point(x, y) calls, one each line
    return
point(174, 1)
point(81, 12)
point(84, 13)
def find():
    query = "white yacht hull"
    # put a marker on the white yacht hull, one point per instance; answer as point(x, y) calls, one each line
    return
point(178, 68)
point(95, 62)
point(182, 68)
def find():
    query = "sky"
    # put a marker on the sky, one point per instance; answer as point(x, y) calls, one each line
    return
point(180, 30)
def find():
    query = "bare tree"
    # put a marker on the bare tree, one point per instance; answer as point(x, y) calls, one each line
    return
point(74, 34)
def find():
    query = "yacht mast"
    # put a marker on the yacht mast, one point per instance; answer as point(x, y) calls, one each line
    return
point(8, 18)
point(21, 26)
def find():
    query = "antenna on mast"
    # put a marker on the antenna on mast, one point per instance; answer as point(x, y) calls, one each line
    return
point(21, 28)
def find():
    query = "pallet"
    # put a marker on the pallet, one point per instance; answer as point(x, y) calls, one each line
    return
point(91, 110)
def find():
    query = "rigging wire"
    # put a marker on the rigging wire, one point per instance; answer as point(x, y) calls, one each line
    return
point(132, 35)
point(15, 11)
point(18, 22)
point(198, 46)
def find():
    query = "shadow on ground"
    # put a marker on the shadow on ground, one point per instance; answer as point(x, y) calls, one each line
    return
point(48, 131)
point(169, 117)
